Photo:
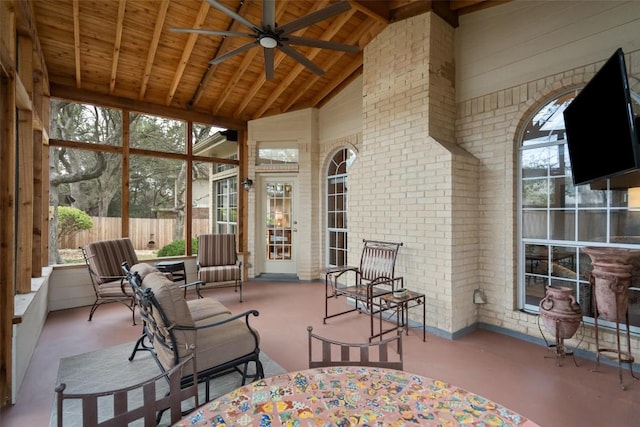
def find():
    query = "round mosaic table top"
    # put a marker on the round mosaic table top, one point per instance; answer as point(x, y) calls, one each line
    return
point(351, 396)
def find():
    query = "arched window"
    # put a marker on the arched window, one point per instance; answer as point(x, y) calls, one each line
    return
point(557, 218)
point(337, 206)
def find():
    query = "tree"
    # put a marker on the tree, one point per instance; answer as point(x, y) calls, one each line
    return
point(71, 221)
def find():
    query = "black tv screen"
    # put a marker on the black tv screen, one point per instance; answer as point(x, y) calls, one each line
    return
point(601, 132)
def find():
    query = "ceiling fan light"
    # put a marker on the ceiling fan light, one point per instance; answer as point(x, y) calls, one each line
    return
point(268, 41)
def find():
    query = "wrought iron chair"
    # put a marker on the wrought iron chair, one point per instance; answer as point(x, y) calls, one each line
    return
point(374, 277)
point(336, 353)
point(140, 401)
point(218, 263)
point(104, 260)
point(174, 328)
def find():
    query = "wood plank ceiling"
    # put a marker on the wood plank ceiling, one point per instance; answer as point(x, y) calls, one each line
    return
point(122, 53)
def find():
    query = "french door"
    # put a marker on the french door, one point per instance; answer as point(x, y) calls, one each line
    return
point(280, 226)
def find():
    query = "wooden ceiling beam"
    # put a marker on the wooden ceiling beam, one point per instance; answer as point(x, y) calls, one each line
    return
point(186, 53)
point(26, 26)
point(153, 47)
point(79, 95)
point(232, 84)
point(117, 46)
point(344, 74)
point(224, 48)
point(353, 39)
point(376, 9)
point(331, 31)
point(461, 4)
point(76, 41)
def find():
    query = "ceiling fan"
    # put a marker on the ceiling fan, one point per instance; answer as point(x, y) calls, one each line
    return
point(271, 36)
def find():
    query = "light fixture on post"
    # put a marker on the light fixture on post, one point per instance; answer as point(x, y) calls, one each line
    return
point(247, 184)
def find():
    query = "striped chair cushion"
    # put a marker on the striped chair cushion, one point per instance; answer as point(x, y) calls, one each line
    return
point(216, 250)
point(219, 274)
point(106, 258)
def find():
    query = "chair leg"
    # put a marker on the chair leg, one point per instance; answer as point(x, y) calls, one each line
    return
point(239, 284)
point(132, 307)
point(94, 307)
point(140, 346)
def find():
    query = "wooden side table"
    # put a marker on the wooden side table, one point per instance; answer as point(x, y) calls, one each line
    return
point(400, 306)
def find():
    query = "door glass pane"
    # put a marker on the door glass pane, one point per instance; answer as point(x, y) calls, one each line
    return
point(279, 214)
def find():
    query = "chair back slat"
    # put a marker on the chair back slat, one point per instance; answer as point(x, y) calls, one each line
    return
point(378, 259)
point(149, 409)
point(337, 353)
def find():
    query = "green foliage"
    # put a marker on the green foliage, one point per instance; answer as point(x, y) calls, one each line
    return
point(72, 220)
point(176, 248)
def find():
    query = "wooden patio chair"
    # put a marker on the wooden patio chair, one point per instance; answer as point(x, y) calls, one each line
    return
point(374, 277)
point(144, 401)
point(336, 353)
point(218, 263)
point(104, 260)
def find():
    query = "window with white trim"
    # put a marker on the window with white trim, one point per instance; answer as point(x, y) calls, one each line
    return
point(557, 218)
point(337, 206)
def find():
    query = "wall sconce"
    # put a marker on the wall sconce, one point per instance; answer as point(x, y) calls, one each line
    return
point(247, 184)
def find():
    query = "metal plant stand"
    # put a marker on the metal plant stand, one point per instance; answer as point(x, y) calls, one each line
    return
point(560, 349)
point(617, 354)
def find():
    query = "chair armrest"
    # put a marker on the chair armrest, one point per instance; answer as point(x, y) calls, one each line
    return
point(244, 315)
point(337, 272)
point(197, 285)
point(111, 278)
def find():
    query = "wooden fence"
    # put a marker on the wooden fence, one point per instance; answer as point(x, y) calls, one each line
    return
point(145, 233)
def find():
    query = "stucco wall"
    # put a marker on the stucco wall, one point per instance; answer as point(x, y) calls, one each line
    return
point(526, 41)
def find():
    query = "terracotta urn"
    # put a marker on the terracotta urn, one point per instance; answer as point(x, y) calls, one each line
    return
point(611, 280)
point(560, 312)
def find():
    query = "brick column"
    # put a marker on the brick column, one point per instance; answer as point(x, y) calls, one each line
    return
point(411, 183)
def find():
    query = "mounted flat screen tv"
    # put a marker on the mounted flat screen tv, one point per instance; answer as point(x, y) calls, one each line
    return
point(601, 128)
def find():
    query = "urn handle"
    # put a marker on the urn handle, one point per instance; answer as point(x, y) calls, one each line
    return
point(547, 303)
point(575, 306)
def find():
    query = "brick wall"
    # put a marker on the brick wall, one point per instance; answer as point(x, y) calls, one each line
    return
point(411, 183)
point(489, 128)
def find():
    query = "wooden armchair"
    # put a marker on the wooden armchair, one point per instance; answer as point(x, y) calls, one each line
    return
point(144, 401)
point(336, 353)
point(217, 261)
point(174, 329)
point(374, 277)
point(104, 260)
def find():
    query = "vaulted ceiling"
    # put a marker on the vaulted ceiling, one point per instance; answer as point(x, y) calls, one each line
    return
point(123, 53)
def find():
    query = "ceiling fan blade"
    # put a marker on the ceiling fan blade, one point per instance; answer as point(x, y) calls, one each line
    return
point(268, 63)
point(232, 14)
point(283, 46)
point(232, 53)
point(211, 32)
point(269, 13)
point(312, 18)
point(323, 44)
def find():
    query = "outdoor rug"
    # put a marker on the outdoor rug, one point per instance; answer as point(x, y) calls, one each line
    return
point(109, 368)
